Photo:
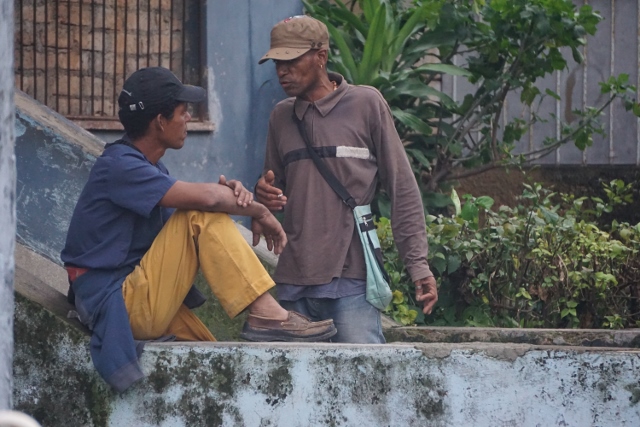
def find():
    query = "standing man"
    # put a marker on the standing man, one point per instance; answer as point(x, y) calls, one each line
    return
point(322, 273)
point(138, 236)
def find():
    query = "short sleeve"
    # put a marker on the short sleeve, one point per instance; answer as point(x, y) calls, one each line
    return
point(135, 184)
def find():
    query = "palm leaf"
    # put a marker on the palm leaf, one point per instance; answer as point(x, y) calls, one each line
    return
point(373, 47)
point(413, 24)
point(415, 88)
point(431, 40)
point(453, 70)
point(369, 7)
point(411, 121)
point(345, 53)
point(346, 16)
point(420, 157)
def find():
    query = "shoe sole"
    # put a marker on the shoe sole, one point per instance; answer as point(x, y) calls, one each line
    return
point(276, 336)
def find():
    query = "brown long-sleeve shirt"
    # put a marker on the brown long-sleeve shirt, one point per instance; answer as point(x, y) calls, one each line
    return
point(352, 129)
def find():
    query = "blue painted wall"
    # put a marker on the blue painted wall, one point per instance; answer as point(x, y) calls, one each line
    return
point(53, 160)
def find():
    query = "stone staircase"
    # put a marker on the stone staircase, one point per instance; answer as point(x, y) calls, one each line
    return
point(423, 377)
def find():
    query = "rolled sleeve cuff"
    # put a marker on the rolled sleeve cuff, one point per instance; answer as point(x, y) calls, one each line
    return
point(419, 272)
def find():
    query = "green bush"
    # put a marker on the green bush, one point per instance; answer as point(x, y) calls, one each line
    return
point(543, 263)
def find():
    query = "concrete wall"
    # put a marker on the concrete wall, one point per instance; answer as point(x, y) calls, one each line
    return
point(51, 174)
point(7, 202)
point(241, 384)
point(387, 385)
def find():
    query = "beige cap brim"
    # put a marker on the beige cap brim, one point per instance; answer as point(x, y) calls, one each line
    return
point(283, 54)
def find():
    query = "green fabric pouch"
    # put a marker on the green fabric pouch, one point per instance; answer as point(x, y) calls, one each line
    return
point(378, 290)
point(378, 293)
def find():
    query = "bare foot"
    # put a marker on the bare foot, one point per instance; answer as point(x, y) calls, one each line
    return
point(266, 306)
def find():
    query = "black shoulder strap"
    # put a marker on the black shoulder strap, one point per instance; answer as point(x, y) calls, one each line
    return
point(322, 168)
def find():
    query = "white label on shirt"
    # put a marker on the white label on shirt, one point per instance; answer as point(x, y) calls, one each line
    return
point(354, 152)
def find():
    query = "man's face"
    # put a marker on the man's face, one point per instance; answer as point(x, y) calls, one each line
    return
point(299, 76)
point(175, 129)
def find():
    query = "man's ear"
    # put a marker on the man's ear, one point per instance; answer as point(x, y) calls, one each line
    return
point(322, 56)
point(159, 122)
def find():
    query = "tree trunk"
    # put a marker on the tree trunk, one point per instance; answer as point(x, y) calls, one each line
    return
point(7, 202)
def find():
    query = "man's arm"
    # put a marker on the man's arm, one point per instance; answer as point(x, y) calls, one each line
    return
point(427, 293)
point(407, 212)
point(270, 187)
point(244, 196)
point(210, 197)
point(268, 194)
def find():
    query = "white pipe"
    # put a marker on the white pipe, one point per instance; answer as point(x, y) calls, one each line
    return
point(16, 419)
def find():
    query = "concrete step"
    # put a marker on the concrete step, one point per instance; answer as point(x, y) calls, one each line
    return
point(251, 384)
point(626, 338)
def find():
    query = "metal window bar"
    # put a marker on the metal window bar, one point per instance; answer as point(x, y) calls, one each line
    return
point(95, 45)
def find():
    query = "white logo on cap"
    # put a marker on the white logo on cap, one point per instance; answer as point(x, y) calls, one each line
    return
point(134, 107)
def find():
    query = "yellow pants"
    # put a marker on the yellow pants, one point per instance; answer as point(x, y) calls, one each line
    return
point(154, 291)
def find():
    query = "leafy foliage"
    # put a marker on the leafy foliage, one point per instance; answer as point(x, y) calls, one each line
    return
point(500, 46)
point(543, 263)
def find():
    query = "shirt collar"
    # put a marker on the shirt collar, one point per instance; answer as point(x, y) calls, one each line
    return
point(326, 104)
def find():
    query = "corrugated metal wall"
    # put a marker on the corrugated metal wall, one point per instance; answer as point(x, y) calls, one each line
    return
point(612, 51)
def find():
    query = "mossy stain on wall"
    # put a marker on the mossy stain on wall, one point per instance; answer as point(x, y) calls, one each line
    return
point(634, 389)
point(197, 386)
point(368, 382)
point(55, 379)
point(279, 385)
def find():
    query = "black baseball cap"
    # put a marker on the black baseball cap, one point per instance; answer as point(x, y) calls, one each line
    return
point(148, 90)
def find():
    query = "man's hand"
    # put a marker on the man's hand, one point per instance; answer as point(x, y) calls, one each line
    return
point(427, 293)
point(269, 226)
point(268, 194)
point(245, 197)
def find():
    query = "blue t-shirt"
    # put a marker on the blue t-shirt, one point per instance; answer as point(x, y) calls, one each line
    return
point(117, 215)
point(115, 221)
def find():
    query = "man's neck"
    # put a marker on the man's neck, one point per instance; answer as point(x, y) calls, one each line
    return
point(319, 91)
point(148, 146)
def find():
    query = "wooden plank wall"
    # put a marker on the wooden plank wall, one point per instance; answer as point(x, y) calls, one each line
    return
point(612, 51)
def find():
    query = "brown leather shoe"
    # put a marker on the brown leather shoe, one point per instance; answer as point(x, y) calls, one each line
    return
point(296, 328)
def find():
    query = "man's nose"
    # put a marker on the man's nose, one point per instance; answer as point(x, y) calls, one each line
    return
point(281, 69)
point(188, 118)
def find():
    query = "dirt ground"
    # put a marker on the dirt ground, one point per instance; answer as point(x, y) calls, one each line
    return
point(505, 186)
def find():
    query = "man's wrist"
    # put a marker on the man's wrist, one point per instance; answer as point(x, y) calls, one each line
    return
point(422, 280)
point(260, 210)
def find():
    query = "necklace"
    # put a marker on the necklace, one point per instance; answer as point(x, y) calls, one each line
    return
point(335, 85)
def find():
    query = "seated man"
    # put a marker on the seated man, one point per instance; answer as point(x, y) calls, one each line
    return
point(138, 237)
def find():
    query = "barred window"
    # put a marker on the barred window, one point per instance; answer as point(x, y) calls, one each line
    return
point(74, 55)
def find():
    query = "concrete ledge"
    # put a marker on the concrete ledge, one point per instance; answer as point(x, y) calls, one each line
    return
point(384, 385)
point(242, 384)
point(560, 337)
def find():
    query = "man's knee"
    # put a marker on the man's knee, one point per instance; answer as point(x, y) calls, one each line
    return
point(146, 332)
point(357, 321)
